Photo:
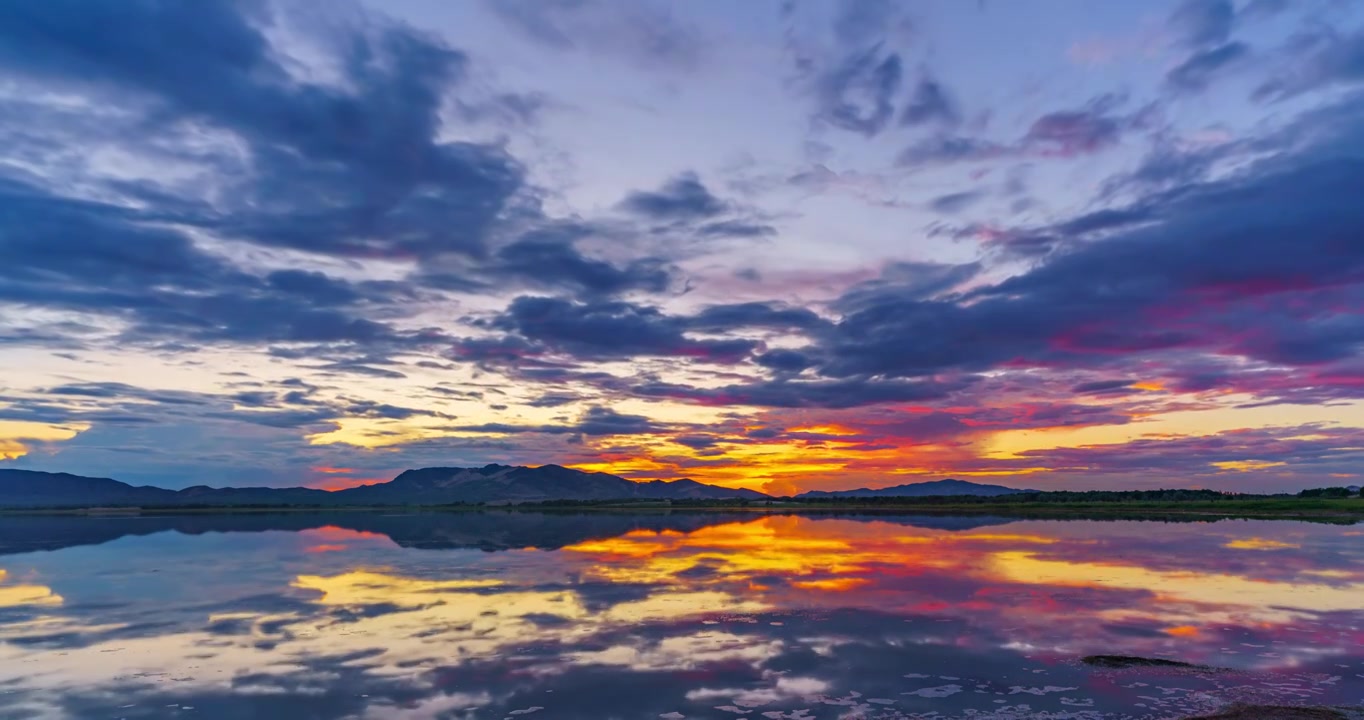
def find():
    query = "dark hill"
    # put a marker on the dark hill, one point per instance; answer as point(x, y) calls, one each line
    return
point(935, 488)
point(426, 486)
point(27, 488)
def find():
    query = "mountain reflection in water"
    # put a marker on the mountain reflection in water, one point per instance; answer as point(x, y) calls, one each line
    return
point(615, 615)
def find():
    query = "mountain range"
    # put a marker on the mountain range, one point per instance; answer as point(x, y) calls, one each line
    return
point(922, 489)
point(492, 484)
point(426, 486)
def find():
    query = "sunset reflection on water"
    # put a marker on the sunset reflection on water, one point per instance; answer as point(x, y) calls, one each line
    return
point(589, 616)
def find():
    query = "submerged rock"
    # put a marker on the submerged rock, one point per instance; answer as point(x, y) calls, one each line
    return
point(1132, 661)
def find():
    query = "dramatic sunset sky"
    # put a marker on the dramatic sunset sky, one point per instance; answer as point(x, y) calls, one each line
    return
point(781, 244)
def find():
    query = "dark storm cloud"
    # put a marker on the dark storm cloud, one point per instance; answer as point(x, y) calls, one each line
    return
point(86, 256)
point(1309, 446)
point(737, 229)
point(506, 109)
point(1211, 254)
point(1065, 133)
point(908, 280)
point(494, 351)
point(555, 399)
point(1321, 60)
point(682, 198)
point(1105, 220)
point(765, 315)
point(548, 258)
point(124, 391)
point(611, 330)
point(59, 335)
point(605, 421)
point(543, 327)
point(1103, 387)
point(312, 284)
point(1203, 23)
point(358, 367)
point(895, 336)
point(947, 149)
point(930, 103)
point(1074, 132)
point(92, 245)
point(792, 361)
point(236, 318)
point(1166, 166)
point(855, 88)
point(955, 202)
point(1198, 71)
point(858, 94)
point(829, 394)
point(364, 408)
point(352, 172)
point(254, 398)
point(595, 422)
point(547, 261)
point(276, 406)
point(697, 442)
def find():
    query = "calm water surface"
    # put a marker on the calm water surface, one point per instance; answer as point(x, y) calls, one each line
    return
point(600, 616)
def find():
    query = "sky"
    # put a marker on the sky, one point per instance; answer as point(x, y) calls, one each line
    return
point(780, 245)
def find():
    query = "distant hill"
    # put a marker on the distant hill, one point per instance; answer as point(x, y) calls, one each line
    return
point(920, 489)
point(512, 483)
point(426, 486)
point(27, 488)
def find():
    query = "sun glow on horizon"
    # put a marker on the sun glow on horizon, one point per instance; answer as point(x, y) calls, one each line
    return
point(13, 433)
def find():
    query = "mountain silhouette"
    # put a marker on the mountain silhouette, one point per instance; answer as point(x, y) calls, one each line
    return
point(921, 489)
point(510, 483)
point(490, 484)
point(425, 486)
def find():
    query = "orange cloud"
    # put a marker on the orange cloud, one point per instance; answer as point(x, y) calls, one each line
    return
point(332, 484)
point(834, 584)
point(13, 433)
point(332, 479)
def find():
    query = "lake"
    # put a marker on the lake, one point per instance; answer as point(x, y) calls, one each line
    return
point(701, 615)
